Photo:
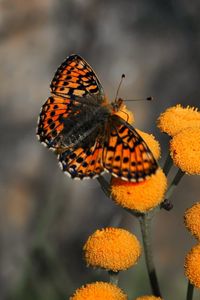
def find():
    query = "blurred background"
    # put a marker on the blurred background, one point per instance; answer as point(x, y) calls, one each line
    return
point(45, 216)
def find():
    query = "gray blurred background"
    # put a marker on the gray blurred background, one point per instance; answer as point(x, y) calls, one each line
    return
point(45, 216)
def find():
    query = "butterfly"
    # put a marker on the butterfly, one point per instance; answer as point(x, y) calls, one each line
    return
point(85, 131)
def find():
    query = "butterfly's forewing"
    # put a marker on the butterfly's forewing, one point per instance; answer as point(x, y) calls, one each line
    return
point(83, 162)
point(75, 78)
point(125, 154)
point(75, 90)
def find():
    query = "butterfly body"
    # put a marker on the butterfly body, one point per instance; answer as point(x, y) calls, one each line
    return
point(83, 128)
point(83, 133)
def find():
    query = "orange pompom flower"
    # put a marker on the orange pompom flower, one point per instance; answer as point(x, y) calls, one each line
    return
point(176, 118)
point(185, 150)
point(142, 196)
point(192, 266)
point(112, 249)
point(192, 219)
point(99, 291)
point(148, 298)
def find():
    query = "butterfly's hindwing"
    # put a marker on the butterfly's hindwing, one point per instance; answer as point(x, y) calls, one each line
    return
point(125, 154)
point(83, 162)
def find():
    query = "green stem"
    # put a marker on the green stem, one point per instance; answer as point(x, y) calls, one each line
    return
point(168, 164)
point(114, 277)
point(190, 291)
point(174, 183)
point(104, 185)
point(145, 224)
point(166, 203)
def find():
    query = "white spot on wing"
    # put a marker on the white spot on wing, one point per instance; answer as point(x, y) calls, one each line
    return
point(44, 144)
point(68, 174)
point(60, 165)
point(77, 178)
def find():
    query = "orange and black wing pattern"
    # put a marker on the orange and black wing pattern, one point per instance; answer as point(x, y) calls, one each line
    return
point(51, 120)
point(75, 78)
point(125, 153)
point(75, 91)
point(77, 123)
point(83, 162)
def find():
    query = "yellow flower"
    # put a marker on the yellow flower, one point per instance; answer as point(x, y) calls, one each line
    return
point(148, 298)
point(99, 291)
point(151, 142)
point(176, 118)
point(185, 150)
point(192, 219)
point(192, 266)
point(140, 196)
point(112, 249)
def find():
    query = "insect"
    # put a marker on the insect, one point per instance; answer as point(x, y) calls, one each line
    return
point(84, 130)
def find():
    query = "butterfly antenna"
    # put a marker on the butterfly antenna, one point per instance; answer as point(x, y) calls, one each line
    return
point(122, 77)
point(150, 98)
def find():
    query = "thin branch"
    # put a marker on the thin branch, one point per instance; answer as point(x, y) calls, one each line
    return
point(145, 224)
point(166, 203)
point(174, 183)
point(104, 185)
point(168, 164)
point(114, 277)
point(190, 291)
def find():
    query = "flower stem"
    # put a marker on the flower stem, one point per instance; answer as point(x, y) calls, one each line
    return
point(168, 164)
point(104, 185)
point(145, 224)
point(114, 277)
point(190, 291)
point(166, 203)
